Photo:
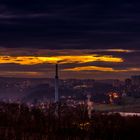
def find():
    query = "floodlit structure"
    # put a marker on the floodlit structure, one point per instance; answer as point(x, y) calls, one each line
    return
point(89, 106)
point(56, 84)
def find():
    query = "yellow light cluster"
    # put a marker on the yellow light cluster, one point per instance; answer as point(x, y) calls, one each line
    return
point(33, 60)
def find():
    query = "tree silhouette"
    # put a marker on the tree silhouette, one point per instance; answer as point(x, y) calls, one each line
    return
point(19, 122)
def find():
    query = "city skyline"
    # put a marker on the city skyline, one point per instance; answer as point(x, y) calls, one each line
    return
point(69, 69)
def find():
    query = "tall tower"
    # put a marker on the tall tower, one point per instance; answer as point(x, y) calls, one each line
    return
point(89, 106)
point(56, 84)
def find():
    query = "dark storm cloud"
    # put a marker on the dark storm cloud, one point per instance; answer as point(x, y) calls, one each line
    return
point(69, 24)
point(33, 27)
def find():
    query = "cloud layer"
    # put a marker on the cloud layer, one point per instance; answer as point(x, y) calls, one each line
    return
point(84, 63)
point(69, 24)
point(91, 39)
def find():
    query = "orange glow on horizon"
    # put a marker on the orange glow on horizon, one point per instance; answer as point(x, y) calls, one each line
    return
point(33, 60)
point(89, 68)
point(102, 69)
point(94, 68)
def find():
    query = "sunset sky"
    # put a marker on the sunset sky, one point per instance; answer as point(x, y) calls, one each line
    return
point(99, 39)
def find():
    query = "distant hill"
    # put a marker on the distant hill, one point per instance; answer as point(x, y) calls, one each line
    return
point(39, 92)
point(108, 81)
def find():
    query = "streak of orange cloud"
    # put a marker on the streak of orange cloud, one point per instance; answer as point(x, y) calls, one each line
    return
point(102, 69)
point(90, 68)
point(33, 60)
point(23, 73)
point(119, 50)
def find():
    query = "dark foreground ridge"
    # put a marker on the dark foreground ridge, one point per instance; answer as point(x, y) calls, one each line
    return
point(19, 122)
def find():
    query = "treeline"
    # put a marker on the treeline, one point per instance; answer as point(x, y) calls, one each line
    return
point(18, 122)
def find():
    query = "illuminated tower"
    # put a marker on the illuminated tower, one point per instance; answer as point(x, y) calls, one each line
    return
point(89, 106)
point(56, 84)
